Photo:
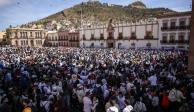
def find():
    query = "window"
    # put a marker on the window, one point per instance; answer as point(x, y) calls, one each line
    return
point(149, 34)
point(172, 38)
point(133, 35)
point(21, 35)
point(101, 36)
point(26, 42)
point(92, 45)
point(84, 37)
point(22, 43)
point(16, 43)
point(182, 23)
point(148, 44)
point(181, 37)
point(133, 44)
point(92, 36)
point(165, 24)
point(120, 35)
point(16, 35)
point(173, 25)
point(119, 45)
point(31, 34)
point(164, 38)
point(110, 35)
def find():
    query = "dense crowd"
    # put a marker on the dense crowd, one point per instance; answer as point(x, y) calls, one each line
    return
point(94, 80)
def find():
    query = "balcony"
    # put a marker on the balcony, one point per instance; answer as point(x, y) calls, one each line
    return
point(164, 28)
point(148, 37)
point(133, 37)
point(172, 42)
point(182, 41)
point(184, 27)
point(120, 37)
point(101, 37)
point(92, 38)
point(174, 28)
point(110, 38)
point(163, 41)
point(73, 40)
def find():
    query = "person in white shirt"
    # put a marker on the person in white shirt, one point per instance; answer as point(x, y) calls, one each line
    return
point(140, 106)
point(112, 108)
point(87, 103)
point(153, 80)
point(128, 107)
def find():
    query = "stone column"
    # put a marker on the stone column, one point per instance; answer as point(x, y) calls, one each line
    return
point(191, 42)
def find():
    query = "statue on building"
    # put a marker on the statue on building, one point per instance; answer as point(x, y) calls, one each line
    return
point(110, 26)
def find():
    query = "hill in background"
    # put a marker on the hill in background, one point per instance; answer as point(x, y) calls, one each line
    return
point(95, 11)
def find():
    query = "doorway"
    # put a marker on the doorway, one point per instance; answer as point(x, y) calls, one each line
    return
point(110, 45)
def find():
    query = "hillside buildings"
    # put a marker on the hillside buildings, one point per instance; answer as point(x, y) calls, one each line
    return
point(26, 37)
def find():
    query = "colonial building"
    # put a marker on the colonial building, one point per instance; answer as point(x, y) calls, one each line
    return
point(74, 39)
point(175, 30)
point(26, 37)
point(64, 38)
point(167, 31)
point(52, 38)
point(2, 35)
point(143, 34)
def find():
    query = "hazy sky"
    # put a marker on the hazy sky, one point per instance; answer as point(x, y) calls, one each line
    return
point(16, 12)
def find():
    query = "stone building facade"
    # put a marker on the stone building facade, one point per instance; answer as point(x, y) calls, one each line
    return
point(170, 31)
point(64, 38)
point(144, 34)
point(175, 30)
point(25, 37)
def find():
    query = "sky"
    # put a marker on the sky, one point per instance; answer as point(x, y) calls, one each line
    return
point(17, 12)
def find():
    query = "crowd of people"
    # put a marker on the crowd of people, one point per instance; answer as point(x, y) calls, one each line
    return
point(94, 80)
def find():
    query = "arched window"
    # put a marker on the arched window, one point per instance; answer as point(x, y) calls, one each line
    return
point(119, 45)
point(102, 44)
point(16, 43)
point(133, 44)
point(149, 45)
point(92, 45)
